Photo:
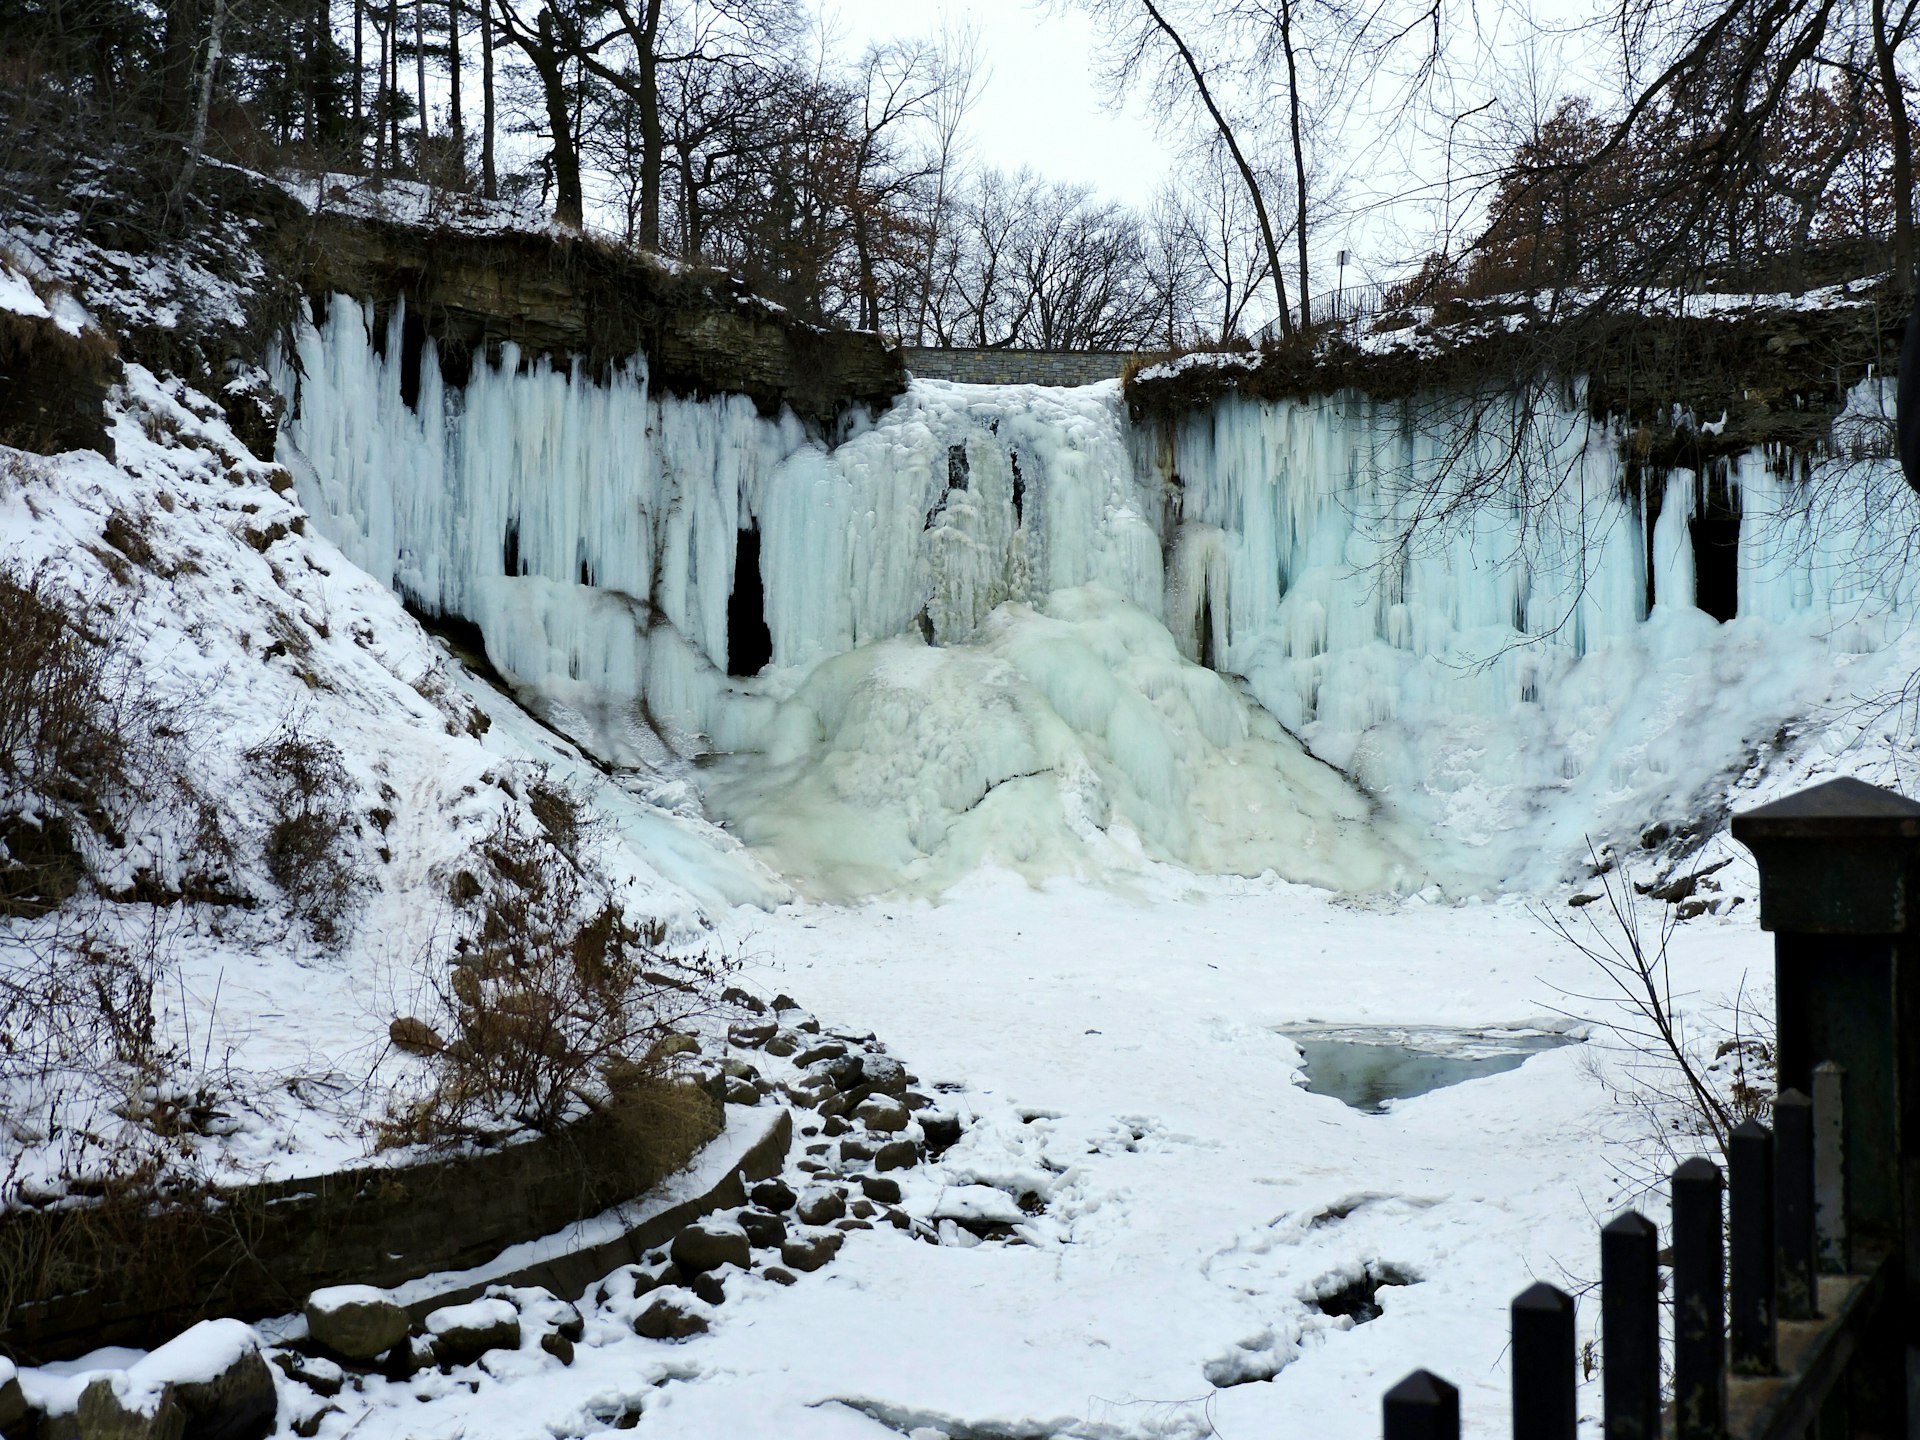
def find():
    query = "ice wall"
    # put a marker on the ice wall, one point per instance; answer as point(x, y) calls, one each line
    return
point(958, 600)
point(1516, 675)
point(591, 529)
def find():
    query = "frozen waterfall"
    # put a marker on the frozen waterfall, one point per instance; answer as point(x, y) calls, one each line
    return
point(985, 624)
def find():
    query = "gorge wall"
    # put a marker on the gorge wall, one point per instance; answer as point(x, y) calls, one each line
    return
point(1509, 622)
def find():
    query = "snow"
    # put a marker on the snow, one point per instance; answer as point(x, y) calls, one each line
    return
point(474, 1315)
point(342, 1297)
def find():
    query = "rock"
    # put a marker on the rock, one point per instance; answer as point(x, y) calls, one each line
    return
point(734, 1068)
point(836, 1125)
point(855, 1151)
point(817, 1207)
point(570, 1324)
point(783, 1044)
point(779, 1276)
point(673, 1043)
point(784, 1002)
point(882, 1114)
point(853, 1225)
point(897, 1155)
point(878, 1187)
point(752, 1037)
point(558, 1346)
point(807, 1253)
point(899, 1219)
point(309, 1426)
point(772, 1195)
point(861, 1210)
point(669, 1317)
point(415, 1036)
point(843, 1072)
point(316, 1372)
point(742, 1092)
point(764, 1230)
point(709, 1244)
point(914, 1100)
point(214, 1372)
point(13, 1402)
point(102, 1414)
point(461, 1334)
point(355, 1322)
point(835, 1106)
point(734, 995)
point(709, 1288)
point(810, 1167)
point(828, 1050)
point(885, 1074)
point(942, 1131)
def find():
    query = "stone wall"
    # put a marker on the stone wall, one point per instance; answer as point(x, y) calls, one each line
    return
point(1015, 367)
point(127, 1272)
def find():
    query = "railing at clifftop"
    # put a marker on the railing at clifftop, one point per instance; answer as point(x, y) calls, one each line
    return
point(1809, 1324)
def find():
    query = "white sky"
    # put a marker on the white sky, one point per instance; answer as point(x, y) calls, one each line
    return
point(1040, 103)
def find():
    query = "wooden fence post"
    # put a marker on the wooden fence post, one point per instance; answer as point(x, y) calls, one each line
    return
point(1543, 1380)
point(1838, 890)
point(1699, 1304)
point(1750, 1278)
point(1422, 1407)
point(1630, 1327)
point(1793, 1236)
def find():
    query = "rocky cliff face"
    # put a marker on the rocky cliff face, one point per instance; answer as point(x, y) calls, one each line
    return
point(1686, 380)
point(568, 297)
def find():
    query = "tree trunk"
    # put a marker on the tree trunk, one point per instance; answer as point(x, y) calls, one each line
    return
point(569, 208)
point(1299, 160)
point(647, 98)
point(359, 80)
point(420, 80)
point(203, 101)
point(392, 56)
point(489, 176)
point(1900, 128)
point(456, 122)
point(1240, 163)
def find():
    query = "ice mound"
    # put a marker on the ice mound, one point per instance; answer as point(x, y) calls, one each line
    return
point(1068, 738)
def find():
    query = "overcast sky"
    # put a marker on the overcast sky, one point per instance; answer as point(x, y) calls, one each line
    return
point(1040, 104)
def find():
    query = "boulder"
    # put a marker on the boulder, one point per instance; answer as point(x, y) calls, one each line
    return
point(772, 1195)
point(884, 1074)
point(854, 1151)
point(764, 1230)
point(558, 1346)
point(463, 1333)
point(882, 1114)
point(778, 1275)
point(783, 1043)
point(942, 1131)
point(709, 1288)
point(709, 1244)
point(753, 1036)
point(671, 1316)
point(734, 1068)
point(316, 1372)
point(734, 995)
point(878, 1187)
point(897, 1155)
point(819, 1206)
point(742, 1092)
point(355, 1322)
point(216, 1376)
point(13, 1403)
point(826, 1050)
point(804, 1252)
point(106, 1413)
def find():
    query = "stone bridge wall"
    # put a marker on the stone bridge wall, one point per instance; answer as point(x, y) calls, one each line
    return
point(1015, 367)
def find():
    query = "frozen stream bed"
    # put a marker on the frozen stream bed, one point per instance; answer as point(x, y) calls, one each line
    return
point(1121, 1058)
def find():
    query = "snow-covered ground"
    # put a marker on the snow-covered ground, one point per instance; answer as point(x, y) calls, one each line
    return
point(985, 711)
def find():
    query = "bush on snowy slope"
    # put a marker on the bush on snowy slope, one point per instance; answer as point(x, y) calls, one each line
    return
point(238, 786)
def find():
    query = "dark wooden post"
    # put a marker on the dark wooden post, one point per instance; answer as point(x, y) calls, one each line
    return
point(1422, 1407)
point(1630, 1327)
point(1830, 1167)
point(1840, 890)
point(1699, 1304)
point(1793, 1237)
point(1543, 1379)
point(1750, 1281)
